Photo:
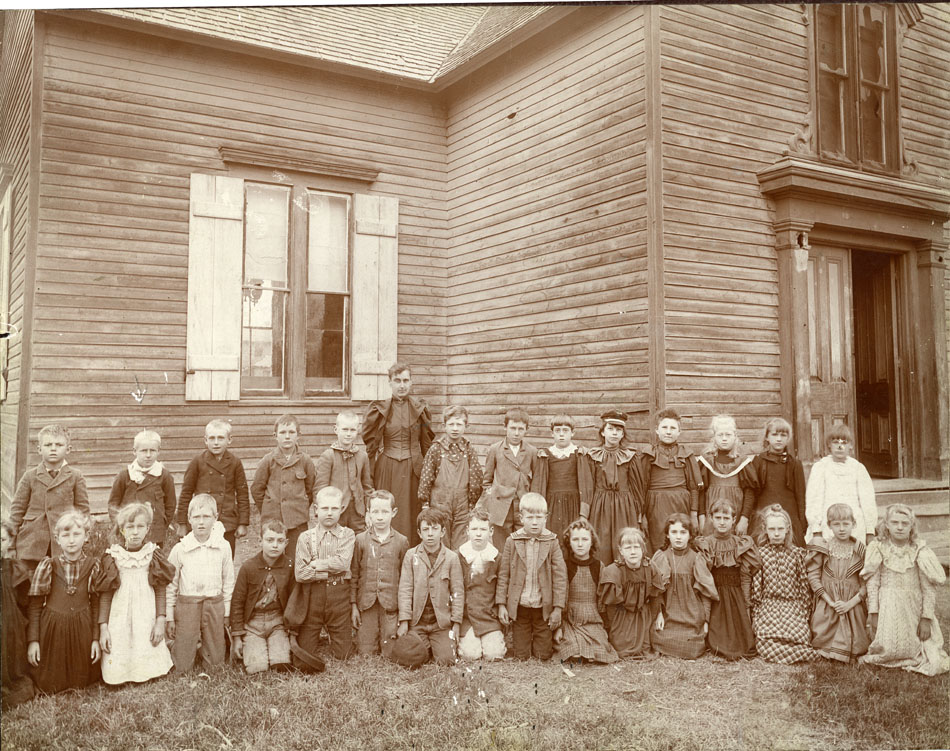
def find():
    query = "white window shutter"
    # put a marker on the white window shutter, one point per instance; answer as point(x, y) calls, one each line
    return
point(215, 268)
point(374, 294)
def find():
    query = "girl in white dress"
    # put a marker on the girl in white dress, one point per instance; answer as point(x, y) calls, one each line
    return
point(131, 584)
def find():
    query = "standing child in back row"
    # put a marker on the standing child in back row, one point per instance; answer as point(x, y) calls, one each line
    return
point(780, 478)
point(563, 476)
point(146, 480)
point(509, 467)
point(284, 483)
point(726, 475)
point(346, 466)
point(44, 494)
point(840, 478)
point(452, 476)
point(220, 474)
point(671, 481)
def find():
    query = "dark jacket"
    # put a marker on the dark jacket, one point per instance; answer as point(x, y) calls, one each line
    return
point(375, 570)
point(222, 478)
point(157, 492)
point(420, 431)
point(38, 503)
point(250, 582)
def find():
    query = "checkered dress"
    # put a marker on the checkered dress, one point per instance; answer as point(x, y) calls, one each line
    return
point(781, 606)
point(583, 634)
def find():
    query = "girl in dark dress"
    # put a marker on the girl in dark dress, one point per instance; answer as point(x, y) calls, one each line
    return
point(779, 478)
point(63, 632)
point(563, 477)
point(628, 598)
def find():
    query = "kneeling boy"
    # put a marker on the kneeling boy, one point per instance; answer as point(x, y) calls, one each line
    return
point(261, 593)
point(532, 582)
point(481, 631)
point(431, 590)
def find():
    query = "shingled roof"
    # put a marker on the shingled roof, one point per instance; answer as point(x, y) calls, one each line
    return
point(422, 43)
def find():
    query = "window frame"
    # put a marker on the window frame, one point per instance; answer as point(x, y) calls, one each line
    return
point(850, 77)
point(295, 315)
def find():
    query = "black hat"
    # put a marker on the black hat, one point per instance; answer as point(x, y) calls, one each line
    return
point(615, 417)
point(409, 650)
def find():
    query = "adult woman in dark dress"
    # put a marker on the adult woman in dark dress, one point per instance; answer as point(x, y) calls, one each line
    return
point(397, 433)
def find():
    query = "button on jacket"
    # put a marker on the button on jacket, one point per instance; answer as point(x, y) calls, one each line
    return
point(222, 478)
point(283, 488)
point(38, 503)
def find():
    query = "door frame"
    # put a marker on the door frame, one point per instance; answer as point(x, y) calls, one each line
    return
point(827, 205)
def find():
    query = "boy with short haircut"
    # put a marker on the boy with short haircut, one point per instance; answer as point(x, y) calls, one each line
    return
point(481, 630)
point(44, 494)
point(346, 466)
point(431, 590)
point(532, 582)
point(198, 599)
point(285, 482)
point(321, 596)
point(451, 478)
point(509, 466)
point(261, 593)
point(219, 473)
point(377, 564)
point(146, 480)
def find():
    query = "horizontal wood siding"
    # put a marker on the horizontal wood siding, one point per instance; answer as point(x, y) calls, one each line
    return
point(925, 94)
point(734, 89)
point(127, 118)
point(546, 299)
point(16, 91)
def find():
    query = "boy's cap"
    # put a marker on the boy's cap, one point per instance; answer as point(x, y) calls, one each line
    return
point(615, 417)
point(410, 651)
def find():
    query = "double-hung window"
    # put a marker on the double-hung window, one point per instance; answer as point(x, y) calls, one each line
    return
point(856, 77)
point(292, 288)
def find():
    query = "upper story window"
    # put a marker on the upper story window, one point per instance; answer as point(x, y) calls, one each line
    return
point(856, 57)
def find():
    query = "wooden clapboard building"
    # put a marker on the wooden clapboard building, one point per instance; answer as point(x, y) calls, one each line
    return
point(243, 212)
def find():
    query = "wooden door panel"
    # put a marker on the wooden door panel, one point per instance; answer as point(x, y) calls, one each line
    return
point(831, 370)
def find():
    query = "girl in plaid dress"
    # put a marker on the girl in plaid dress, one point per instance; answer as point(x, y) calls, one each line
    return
point(781, 597)
point(582, 636)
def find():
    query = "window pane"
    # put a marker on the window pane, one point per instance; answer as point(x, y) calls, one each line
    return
point(832, 78)
point(262, 345)
point(327, 248)
point(325, 341)
point(266, 228)
point(830, 37)
point(871, 21)
point(872, 124)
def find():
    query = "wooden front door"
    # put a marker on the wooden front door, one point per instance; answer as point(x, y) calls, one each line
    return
point(831, 371)
point(876, 439)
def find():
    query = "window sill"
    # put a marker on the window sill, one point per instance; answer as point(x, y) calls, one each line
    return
point(283, 401)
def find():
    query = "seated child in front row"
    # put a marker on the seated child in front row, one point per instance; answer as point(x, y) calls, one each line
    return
point(17, 686)
point(686, 591)
point(346, 466)
point(431, 590)
point(628, 598)
point(146, 480)
point(261, 593)
point(131, 586)
point(902, 576)
point(284, 482)
point(582, 636)
point(63, 632)
point(781, 597)
point(532, 582)
point(839, 620)
point(376, 566)
point(199, 596)
point(220, 474)
point(732, 559)
point(451, 479)
point(481, 630)
point(321, 596)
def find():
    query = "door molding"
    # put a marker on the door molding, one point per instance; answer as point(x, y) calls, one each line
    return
point(815, 203)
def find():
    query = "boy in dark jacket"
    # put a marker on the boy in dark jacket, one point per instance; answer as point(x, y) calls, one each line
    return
point(219, 473)
point(257, 606)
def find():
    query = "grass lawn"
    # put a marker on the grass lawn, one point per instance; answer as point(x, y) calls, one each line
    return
point(368, 703)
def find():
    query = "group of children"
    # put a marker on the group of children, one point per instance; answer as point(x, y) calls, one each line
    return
point(599, 553)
